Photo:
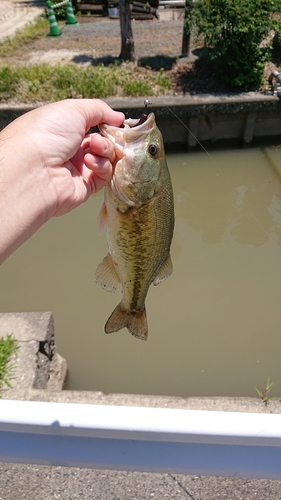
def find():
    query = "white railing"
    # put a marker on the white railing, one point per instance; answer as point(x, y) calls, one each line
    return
point(141, 439)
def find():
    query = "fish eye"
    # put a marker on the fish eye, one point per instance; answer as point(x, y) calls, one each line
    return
point(152, 148)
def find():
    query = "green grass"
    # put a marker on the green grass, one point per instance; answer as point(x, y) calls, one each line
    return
point(8, 346)
point(22, 37)
point(45, 82)
point(264, 391)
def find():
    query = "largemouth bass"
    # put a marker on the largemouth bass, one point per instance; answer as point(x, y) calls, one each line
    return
point(138, 216)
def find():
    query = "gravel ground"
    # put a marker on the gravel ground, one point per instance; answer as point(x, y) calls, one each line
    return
point(99, 38)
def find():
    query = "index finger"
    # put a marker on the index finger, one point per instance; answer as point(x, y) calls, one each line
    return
point(97, 111)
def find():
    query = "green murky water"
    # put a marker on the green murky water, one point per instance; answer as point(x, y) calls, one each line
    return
point(214, 326)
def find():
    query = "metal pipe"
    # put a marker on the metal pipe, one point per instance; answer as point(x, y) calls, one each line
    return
point(141, 439)
point(179, 3)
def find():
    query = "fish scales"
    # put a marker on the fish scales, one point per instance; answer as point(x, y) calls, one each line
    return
point(139, 219)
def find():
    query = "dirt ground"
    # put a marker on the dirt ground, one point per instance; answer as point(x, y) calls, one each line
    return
point(97, 40)
point(15, 14)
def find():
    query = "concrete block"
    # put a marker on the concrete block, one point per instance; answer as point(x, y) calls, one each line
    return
point(37, 364)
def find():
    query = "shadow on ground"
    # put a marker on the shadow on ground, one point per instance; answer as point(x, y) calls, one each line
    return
point(154, 62)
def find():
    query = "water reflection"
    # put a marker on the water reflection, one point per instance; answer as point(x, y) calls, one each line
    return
point(213, 326)
point(214, 203)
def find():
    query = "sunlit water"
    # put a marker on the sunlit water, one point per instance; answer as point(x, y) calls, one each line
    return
point(214, 326)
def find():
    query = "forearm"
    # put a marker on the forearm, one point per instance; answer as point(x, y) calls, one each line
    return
point(23, 207)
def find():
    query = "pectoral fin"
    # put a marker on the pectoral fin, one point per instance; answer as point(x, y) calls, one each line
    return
point(164, 272)
point(102, 219)
point(106, 275)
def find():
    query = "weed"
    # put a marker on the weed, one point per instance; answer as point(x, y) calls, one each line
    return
point(8, 346)
point(163, 80)
point(46, 82)
point(31, 32)
point(137, 88)
point(264, 391)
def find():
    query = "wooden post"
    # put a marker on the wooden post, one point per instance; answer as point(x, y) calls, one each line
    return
point(186, 28)
point(127, 40)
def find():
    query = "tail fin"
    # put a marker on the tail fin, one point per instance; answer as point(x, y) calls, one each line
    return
point(135, 322)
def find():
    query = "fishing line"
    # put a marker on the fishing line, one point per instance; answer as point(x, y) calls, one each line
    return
point(224, 177)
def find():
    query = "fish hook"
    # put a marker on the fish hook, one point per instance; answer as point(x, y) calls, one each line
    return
point(147, 103)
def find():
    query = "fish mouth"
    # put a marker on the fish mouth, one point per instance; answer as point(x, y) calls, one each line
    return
point(131, 130)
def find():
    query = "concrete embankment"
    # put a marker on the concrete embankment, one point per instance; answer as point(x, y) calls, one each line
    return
point(211, 119)
point(40, 374)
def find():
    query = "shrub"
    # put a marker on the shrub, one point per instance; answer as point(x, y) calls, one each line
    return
point(233, 32)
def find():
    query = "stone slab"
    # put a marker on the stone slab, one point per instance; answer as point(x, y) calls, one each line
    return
point(37, 363)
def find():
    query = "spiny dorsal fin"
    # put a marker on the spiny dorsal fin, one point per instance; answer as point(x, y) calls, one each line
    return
point(164, 272)
point(106, 275)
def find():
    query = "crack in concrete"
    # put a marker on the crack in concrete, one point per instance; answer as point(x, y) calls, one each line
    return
point(182, 487)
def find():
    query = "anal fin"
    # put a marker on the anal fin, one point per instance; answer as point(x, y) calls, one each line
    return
point(164, 272)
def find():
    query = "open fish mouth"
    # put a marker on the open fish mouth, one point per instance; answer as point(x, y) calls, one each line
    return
point(131, 131)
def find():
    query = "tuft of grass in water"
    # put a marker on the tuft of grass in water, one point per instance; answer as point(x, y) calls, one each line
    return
point(46, 82)
point(32, 31)
point(8, 346)
point(264, 391)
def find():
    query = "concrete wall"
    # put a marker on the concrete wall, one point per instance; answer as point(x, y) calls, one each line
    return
point(211, 119)
point(214, 119)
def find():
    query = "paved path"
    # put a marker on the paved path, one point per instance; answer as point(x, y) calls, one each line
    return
point(29, 482)
point(15, 14)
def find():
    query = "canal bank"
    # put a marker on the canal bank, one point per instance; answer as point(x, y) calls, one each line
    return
point(213, 120)
point(44, 482)
point(39, 373)
point(35, 334)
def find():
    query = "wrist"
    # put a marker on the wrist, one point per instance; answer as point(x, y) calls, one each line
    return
point(23, 204)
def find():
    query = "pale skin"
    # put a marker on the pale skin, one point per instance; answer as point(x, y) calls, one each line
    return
point(49, 165)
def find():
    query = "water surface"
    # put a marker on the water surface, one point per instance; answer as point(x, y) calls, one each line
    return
point(214, 326)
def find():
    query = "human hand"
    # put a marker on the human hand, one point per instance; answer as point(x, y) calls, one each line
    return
point(49, 165)
point(53, 138)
